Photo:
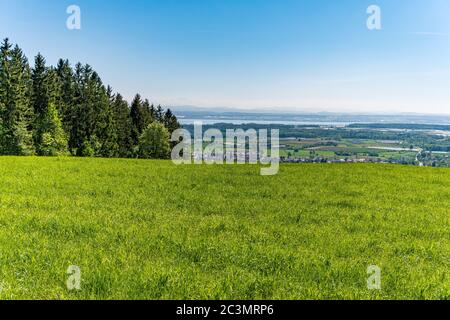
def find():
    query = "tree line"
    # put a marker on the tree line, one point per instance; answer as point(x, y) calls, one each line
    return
point(65, 110)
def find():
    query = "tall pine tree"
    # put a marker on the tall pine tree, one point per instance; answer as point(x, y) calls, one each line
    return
point(16, 111)
point(49, 136)
point(136, 119)
point(171, 121)
point(122, 119)
point(67, 93)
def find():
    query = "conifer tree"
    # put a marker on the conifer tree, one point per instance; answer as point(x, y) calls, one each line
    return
point(105, 127)
point(40, 98)
point(66, 97)
point(93, 131)
point(153, 112)
point(136, 119)
point(159, 114)
point(77, 115)
point(171, 121)
point(122, 119)
point(146, 114)
point(49, 136)
point(5, 91)
point(16, 110)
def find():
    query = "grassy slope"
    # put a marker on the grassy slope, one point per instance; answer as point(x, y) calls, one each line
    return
point(148, 229)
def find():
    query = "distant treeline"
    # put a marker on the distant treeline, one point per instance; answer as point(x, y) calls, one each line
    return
point(403, 126)
point(61, 110)
point(285, 130)
point(424, 140)
point(311, 131)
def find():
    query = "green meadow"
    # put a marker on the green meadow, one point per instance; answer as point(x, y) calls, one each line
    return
point(141, 229)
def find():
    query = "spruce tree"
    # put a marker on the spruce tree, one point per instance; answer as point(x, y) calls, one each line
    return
point(78, 116)
point(16, 110)
point(159, 114)
point(93, 131)
point(146, 114)
point(5, 90)
point(67, 93)
point(40, 99)
point(105, 128)
point(122, 119)
point(153, 112)
point(49, 136)
point(171, 121)
point(136, 119)
point(83, 141)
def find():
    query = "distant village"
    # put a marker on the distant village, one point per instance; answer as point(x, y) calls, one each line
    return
point(422, 159)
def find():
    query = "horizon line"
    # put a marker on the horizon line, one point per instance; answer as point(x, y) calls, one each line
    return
point(274, 110)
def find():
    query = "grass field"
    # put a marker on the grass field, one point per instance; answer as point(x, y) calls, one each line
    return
point(151, 230)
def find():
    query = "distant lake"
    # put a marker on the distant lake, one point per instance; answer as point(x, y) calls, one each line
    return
point(210, 121)
point(323, 119)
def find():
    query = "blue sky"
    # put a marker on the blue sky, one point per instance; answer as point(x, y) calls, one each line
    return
point(311, 55)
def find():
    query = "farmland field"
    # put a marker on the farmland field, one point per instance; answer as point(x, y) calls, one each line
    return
point(141, 229)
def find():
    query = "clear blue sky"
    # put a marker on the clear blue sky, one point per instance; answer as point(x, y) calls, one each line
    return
point(274, 54)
